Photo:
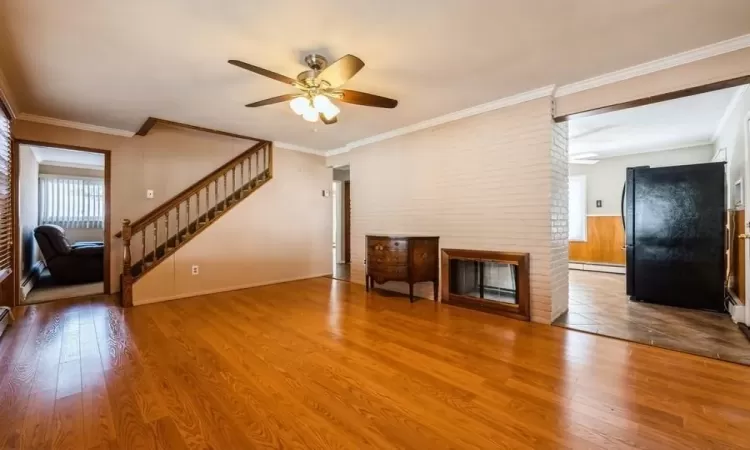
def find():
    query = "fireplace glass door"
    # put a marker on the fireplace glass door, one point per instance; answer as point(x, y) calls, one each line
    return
point(485, 280)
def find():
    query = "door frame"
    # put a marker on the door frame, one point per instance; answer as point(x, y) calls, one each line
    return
point(338, 212)
point(746, 195)
point(107, 208)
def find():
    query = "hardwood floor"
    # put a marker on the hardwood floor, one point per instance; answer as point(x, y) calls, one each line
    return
point(322, 364)
point(598, 304)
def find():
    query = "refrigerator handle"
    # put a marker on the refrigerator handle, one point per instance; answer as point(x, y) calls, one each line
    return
point(622, 205)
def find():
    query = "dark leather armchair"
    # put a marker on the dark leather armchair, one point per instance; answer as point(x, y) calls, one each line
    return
point(70, 264)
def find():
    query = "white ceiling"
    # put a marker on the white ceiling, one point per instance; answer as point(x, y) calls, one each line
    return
point(115, 63)
point(68, 158)
point(682, 122)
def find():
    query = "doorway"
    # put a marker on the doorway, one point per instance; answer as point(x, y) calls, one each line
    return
point(341, 193)
point(62, 223)
point(652, 189)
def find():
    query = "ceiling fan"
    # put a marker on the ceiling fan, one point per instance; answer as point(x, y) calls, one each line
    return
point(317, 86)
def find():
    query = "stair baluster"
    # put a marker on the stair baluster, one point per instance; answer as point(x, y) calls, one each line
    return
point(156, 242)
point(216, 195)
point(242, 178)
point(208, 208)
point(166, 232)
point(226, 196)
point(127, 275)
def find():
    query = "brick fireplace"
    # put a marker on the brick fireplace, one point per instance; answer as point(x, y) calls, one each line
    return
point(496, 282)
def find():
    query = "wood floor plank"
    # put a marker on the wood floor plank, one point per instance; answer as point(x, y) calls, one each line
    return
point(323, 364)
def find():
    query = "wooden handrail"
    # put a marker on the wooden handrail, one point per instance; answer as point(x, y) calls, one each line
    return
point(192, 189)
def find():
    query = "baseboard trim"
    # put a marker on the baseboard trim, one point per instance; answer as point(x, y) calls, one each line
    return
point(225, 289)
point(31, 279)
point(745, 330)
point(597, 267)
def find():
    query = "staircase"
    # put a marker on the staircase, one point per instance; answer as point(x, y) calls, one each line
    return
point(160, 233)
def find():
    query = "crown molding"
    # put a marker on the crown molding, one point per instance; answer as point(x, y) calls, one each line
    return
point(76, 125)
point(298, 148)
point(679, 59)
point(728, 112)
point(620, 153)
point(504, 102)
point(7, 95)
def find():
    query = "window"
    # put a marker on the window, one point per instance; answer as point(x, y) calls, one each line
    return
point(71, 202)
point(577, 208)
point(6, 212)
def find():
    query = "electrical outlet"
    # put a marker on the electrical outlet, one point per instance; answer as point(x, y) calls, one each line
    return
point(150, 193)
point(194, 270)
point(598, 203)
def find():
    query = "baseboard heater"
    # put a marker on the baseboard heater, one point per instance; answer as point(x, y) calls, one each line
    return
point(597, 267)
point(6, 318)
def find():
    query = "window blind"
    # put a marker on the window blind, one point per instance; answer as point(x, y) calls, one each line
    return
point(71, 202)
point(6, 213)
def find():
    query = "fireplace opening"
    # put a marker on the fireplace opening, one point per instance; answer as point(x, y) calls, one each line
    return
point(490, 281)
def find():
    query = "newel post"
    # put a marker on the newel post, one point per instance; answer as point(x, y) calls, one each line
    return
point(127, 275)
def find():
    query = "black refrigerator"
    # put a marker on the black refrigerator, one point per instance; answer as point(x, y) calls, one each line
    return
point(674, 219)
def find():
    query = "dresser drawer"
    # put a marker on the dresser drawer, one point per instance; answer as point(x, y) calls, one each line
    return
point(393, 251)
point(389, 272)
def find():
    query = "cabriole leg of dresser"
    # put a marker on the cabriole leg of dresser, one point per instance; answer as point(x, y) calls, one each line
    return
point(435, 290)
point(411, 292)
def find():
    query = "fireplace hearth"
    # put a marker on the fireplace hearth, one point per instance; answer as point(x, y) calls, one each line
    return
point(496, 282)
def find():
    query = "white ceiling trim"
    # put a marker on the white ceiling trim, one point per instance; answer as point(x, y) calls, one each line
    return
point(298, 148)
point(8, 94)
point(451, 117)
point(76, 125)
point(654, 150)
point(728, 112)
point(679, 59)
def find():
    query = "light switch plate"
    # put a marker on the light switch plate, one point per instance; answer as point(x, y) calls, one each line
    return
point(149, 193)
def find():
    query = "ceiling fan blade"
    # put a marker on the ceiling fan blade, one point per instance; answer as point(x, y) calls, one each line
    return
point(341, 71)
point(262, 71)
point(272, 100)
point(328, 122)
point(365, 99)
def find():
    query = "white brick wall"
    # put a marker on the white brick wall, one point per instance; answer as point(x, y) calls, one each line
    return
point(487, 182)
point(559, 220)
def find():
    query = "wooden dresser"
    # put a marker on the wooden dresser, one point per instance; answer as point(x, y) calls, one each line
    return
point(411, 259)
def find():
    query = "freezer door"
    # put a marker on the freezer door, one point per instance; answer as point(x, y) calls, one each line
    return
point(678, 221)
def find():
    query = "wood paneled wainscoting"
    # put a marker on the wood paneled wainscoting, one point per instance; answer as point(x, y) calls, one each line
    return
point(738, 254)
point(604, 242)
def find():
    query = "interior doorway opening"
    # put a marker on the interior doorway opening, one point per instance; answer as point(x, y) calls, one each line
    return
point(656, 216)
point(62, 223)
point(341, 196)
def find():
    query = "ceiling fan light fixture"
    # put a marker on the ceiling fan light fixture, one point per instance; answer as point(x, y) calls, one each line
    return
point(310, 114)
point(326, 107)
point(299, 105)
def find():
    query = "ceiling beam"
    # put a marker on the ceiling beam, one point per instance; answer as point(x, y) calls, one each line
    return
point(658, 98)
point(151, 122)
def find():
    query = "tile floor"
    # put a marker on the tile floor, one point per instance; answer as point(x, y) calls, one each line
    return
point(598, 305)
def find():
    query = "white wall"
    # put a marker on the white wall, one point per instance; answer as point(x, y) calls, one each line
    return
point(28, 207)
point(604, 180)
point(731, 139)
point(494, 181)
